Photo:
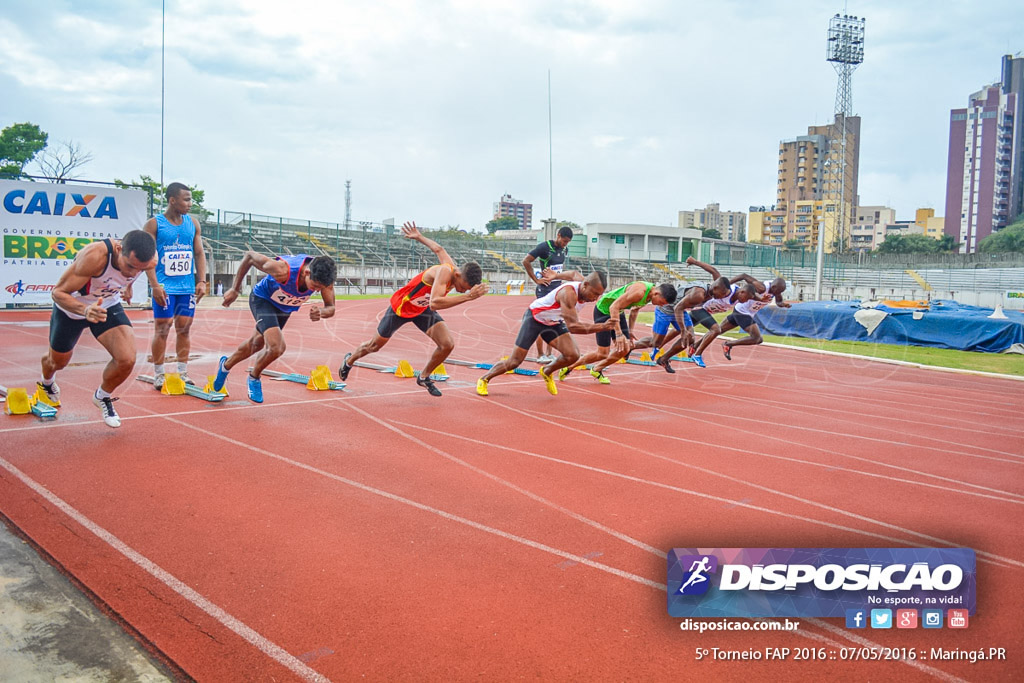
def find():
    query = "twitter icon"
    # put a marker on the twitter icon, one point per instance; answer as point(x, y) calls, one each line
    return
point(881, 618)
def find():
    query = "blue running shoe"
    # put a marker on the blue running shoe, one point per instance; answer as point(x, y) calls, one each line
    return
point(222, 375)
point(255, 389)
point(699, 362)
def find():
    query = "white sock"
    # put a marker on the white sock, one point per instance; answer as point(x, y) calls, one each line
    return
point(102, 394)
point(182, 368)
point(158, 369)
point(46, 382)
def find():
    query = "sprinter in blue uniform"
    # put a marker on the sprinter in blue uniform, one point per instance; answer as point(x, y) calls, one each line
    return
point(179, 280)
point(289, 283)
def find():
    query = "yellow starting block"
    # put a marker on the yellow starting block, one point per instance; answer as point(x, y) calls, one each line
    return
point(439, 371)
point(645, 357)
point(209, 386)
point(320, 379)
point(41, 397)
point(404, 369)
point(17, 402)
point(173, 385)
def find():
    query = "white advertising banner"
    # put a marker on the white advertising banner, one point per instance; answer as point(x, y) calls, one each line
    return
point(43, 226)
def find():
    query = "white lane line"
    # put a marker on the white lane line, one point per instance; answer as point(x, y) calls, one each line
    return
point(504, 482)
point(839, 511)
point(267, 647)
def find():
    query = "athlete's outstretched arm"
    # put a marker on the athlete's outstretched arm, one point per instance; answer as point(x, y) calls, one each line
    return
point(438, 300)
point(690, 261)
point(269, 265)
point(410, 231)
point(567, 300)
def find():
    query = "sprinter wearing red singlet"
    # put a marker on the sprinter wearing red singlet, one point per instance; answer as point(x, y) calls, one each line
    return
point(418, 303)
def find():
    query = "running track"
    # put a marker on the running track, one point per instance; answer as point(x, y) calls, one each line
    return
point(381, 533)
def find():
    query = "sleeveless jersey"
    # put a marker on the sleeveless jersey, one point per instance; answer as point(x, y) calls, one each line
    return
point(722, 304)
point(174, 245)
point(547, 310)
point(605, 302)
point(286, 297)
point(555, 260)
point(108, 285)
point(414, 298)
point(670, 309)
point(755, 304)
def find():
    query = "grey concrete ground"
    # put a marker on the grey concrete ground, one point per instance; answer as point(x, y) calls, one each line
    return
point(49, 631)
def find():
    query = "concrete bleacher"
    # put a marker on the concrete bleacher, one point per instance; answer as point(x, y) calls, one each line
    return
point(388, 257)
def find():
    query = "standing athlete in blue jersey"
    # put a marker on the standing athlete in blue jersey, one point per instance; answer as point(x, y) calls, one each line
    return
point(179, 280)
point(289, 283)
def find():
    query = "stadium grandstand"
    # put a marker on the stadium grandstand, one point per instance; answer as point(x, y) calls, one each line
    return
point(373, 257)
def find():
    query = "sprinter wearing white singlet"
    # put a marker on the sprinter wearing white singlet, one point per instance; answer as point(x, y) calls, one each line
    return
point(552, 318)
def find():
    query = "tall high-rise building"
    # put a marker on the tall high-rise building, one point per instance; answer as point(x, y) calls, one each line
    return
point(732, 225)
point(804, 177)
point(985, 172)
point(507, 206)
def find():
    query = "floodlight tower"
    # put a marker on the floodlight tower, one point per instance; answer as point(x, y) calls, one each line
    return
point(846, 51)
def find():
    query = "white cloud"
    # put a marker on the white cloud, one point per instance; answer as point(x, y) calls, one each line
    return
point(434, 109)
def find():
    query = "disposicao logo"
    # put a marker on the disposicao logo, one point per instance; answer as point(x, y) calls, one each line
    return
point(49, 203)
point(817, 582)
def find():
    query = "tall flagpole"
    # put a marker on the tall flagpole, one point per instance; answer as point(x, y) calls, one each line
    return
point(163, 48)
point(551, 164)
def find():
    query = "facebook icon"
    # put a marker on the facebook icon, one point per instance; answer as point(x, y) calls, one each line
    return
point(856, 618)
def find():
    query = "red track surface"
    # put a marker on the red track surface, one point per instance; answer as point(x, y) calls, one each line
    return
point(383, 533)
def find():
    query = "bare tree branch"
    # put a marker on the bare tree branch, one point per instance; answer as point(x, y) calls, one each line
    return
point(60, 164)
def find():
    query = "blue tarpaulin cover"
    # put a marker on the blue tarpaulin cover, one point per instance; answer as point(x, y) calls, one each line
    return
point(945, 324)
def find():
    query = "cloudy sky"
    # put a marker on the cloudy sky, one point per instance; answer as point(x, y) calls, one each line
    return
point(434, 109)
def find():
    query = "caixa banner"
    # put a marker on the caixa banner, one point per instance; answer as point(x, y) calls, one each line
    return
point(816, 582)
point(43, 226)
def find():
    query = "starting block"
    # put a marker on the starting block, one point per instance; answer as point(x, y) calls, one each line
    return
point(18, 402)
point(41, 397)
point(488, 366)
point(174, 385)
point(179, 388)
point(404, 369)
point(209, 386)
point(319, 380)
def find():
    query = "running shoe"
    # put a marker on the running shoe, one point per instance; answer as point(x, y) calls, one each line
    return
point(699, 362)
point(428, 383)
point(106, 406)
point(549, 381)
point(51, 392)
point(186, 379)
point(599, 376)
point(158, 381)
point(727, 350)
point(481, 387)
point(345, 368)
point(222, 375)
point(255, 387)
point(563, 373)
point(666, 362)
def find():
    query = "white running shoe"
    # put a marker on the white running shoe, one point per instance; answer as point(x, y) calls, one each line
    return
point(158, 381)
point(106, 406)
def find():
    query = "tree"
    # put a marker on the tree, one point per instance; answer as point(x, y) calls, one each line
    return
point(158, 193)
point(61, 163)
point(576, 229)
point(915, 244)
point(711, 233)
point(1010, 238)
point(503, 223)
point(793, 245)
point(19, 144)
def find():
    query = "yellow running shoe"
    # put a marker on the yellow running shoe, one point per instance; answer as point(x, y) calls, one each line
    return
point(481, 387)
point(599, 376)
point(563, 373)
point(549, 381)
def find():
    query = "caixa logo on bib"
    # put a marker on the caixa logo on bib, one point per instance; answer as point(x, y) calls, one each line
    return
point(50, 203)
point(816, 582)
